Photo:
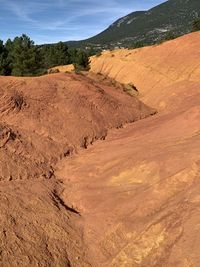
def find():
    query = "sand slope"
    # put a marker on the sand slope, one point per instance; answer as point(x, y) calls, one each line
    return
point(131, 200)
point(43, 120)
point(160, 73)
point(138, 191)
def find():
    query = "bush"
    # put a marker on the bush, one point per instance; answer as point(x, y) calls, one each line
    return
point(99, 54)
point(137, 45)
point(169, 36)
point(82, 61)
point(17, 100)
point(196, 25)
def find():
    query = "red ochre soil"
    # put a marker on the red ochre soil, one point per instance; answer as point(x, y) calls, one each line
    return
point(129, 200)
point(43, 120)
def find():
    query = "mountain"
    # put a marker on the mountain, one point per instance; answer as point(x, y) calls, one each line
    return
point(173, 17)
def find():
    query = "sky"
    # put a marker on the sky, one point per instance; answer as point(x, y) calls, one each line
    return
point(50, 21)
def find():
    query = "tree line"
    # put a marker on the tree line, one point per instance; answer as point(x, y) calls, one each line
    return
point(21, 57)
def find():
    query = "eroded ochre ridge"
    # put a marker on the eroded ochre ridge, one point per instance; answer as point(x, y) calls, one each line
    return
point(130, 199)
point(42, 121)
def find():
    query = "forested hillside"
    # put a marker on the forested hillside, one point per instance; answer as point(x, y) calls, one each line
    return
point(171, 18)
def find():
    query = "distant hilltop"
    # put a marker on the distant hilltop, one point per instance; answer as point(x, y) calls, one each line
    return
point(174, 18)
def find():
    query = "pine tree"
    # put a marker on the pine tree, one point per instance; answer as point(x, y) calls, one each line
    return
point(61, 54)
point(24, 58)
point(21, 57)
point(72, 54)
point(82, 61)
point(4, 64)
point(8, 48)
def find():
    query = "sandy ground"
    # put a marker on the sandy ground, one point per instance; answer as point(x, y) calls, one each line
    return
point(71, 198)
point(42, 121)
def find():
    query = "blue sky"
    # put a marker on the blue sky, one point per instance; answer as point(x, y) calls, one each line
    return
point(47, 21)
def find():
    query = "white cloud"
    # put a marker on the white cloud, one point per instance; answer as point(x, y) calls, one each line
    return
point(27, 11)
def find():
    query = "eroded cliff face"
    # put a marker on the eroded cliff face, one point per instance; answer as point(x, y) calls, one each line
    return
point(162, 73)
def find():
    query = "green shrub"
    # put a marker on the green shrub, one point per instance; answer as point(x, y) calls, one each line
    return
point(136, 45)
point(82, 61)
point(167, 37)
point(99, 54)
point(196, 25)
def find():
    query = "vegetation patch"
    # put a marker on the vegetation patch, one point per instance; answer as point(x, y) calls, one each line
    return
point(196, 25)
point(81, 62)
point(99, 54)
point(21, 57)
point(18, 100)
